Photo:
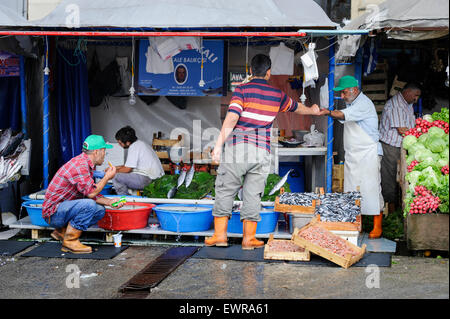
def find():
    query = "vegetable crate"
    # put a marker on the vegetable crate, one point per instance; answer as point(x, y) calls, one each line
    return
point(344, 262)
point(284, 255)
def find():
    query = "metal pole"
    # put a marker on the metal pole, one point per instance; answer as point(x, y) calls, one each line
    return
point(331, 68)
point(45, 126)
point(153, 34)
point(23, 102)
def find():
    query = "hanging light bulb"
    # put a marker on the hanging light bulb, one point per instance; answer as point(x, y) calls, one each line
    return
point(132, 99)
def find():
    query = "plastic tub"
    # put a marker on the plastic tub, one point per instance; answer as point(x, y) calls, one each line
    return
point(267, 224)
point(34, 210)
point(106, 190)
point(130, 216)
point(184, 217)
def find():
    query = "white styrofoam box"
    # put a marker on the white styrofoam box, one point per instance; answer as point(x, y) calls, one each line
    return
point(25, 158)
point(350, 235)
point(115, 155)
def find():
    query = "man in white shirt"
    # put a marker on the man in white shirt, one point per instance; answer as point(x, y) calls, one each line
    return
point(142, 164)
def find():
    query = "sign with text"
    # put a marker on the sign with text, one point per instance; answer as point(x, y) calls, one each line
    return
point(9, 64)
point(181, 74)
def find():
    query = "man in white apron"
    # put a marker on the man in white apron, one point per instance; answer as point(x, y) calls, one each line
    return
point(362, 149)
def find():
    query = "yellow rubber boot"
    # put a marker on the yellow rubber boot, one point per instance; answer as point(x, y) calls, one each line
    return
point(220, 233)
point(249, 241)
point(377, 226)
point(72, 244)
point(58, 234)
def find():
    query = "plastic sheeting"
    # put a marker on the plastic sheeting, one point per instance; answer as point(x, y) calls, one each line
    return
point(9, 17)
point(188, 14)
point(405, 14)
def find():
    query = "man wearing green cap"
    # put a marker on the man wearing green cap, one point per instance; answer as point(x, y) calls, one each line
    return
point(362, 148)
point(73, 201)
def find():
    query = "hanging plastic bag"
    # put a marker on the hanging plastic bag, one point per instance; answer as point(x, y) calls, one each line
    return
point(314, 138)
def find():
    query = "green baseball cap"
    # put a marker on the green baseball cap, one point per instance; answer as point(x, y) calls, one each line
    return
point(95, 142)
point(345, 82)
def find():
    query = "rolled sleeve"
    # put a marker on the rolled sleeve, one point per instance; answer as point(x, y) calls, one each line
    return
point(237, 102)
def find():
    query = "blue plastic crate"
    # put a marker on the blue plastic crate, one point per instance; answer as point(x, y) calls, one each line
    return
point(267, 224)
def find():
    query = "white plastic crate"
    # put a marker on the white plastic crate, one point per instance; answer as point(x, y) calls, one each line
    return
point(351, 236)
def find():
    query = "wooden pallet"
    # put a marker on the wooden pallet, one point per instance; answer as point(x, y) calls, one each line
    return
point(344, 262)
point(284, 255)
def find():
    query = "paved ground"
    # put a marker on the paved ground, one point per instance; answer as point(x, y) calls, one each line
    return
point(47, 278)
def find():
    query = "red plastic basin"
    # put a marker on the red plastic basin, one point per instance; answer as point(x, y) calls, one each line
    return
point(130, 216)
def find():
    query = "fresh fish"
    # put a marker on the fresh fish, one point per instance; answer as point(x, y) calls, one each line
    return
point(172, 192)
point(239, 194)
point(280, 183)
point(181, 178)
point(12, 145)
point(4, 139)
point(190, 175)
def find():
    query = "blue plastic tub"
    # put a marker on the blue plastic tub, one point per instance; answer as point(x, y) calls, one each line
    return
point(267, 224)
point(184, 218)
point(106, 190)
point(34, 210)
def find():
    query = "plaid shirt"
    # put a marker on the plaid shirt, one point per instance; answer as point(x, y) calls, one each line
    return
point(74, 180)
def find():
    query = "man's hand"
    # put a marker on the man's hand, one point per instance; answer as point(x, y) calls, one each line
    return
point(315, 110)
point(216, 153)
point(110, 172)
point(324, 112)
point(113, 200)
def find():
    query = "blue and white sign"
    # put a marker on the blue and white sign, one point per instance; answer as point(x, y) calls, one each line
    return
point(181, 74)
point(9, 64)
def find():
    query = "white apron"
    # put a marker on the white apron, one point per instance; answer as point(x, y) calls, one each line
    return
point(362, 168)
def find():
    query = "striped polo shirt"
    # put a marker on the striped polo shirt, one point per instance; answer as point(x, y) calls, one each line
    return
point(396, 113)
point(257, 103)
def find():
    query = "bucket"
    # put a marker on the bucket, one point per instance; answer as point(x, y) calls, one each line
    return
point(130, 216)
point(34, 210)
point(184, 218)
point(267, 224)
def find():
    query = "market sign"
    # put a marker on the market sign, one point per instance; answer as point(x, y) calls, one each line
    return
point(9, 64)
point(235, 79)
point(180, 74)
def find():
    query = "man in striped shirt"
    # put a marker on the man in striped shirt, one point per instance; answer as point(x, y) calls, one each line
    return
point(246, 159)
point(396, 119)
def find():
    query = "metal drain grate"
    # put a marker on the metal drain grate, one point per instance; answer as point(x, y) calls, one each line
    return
point(139, 286)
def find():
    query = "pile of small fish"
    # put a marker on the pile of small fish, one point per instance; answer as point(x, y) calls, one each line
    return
point(299, 199)
point(11, 146)
point(339, 207)
point(8, 168)
point(327, 240)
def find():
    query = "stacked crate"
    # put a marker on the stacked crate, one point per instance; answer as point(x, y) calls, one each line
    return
point(337, 185)
point(375, 86)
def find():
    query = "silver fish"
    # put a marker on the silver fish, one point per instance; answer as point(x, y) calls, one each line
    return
point(280, 183)
point(181, 178)
point(4, 139)
point(190, 175)
point(240, 193)
point(172, 192)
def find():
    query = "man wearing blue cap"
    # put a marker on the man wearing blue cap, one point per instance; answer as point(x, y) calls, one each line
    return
point(362, 148)
point(73, 201)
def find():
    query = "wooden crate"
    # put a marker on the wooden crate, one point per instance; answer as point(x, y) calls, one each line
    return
point(357, 225)
point(284, 255)
point(344, 262)
point(284, 208)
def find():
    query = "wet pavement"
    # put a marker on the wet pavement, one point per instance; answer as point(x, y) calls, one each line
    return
point(49, 278)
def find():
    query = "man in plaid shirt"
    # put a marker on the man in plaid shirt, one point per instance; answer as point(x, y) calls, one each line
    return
point(73, 201)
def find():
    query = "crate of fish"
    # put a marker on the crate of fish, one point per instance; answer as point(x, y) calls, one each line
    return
point(324, 243)
point(340, 211)
point(303, 203)
point(278, 249)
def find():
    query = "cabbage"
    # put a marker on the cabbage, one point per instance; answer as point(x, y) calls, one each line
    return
point(409, 159)
point(429, 161)
point(430, 179)
point(408, 141)
point(422, 154)
point(423, 138)
point(441, 162)
point(436, 131)
point(436, 144)
point(416, 146)
point(444, 154)
point(412, 177)
point(428, 118)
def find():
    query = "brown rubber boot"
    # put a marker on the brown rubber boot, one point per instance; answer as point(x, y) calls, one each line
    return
point(58, 233)
point(249, 241)
point(377, 226)
point(71, 242)
point(220, 233)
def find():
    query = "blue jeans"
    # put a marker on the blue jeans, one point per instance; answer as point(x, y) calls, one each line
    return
point(81, 213)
